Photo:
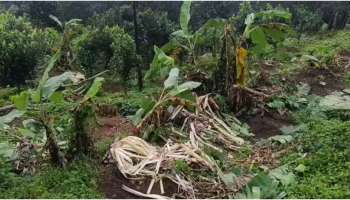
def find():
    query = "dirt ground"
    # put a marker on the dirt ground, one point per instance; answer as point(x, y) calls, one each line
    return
point(111, 180)
point(321, 81)
point(266, 125)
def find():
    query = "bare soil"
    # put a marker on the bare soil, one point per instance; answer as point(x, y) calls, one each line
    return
point(266, 125)
point(111, 180)
point(109, 127)
point(315, 77)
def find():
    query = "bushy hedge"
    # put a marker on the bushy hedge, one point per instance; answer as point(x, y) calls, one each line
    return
point(21, 48)
point(109, 48)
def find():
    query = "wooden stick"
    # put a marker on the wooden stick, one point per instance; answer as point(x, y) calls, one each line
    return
point(140, 194)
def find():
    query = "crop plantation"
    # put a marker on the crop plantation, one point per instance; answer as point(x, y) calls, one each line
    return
point(176, 99)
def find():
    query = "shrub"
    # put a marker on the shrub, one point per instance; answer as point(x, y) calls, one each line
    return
point(109, 48)
point(21, 48)
point(79, 180)
point(154, 27)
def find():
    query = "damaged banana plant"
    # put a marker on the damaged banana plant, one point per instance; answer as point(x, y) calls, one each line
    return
point(170, 94)
point(53, 91)
point(135, 158)
point(262, 31)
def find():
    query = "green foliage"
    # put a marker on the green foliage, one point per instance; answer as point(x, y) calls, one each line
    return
point(326, 162)
point(102, 146)
point(21, 100)
point(79, 180)
point(306, 20)
point(154, 27)
point(326, 47)
point(21, 48)
point(94, 89)
point(170, 92)
point(160, 65)
point(182, 167)
point(185, 16)
point(266, 29)
point(108, 48)
point(7, 177)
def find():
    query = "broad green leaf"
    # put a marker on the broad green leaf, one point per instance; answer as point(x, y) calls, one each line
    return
point(160, 66)
point(212, 28)
point(53, 83)
point(283, 139)
point(185, 16)
point(281, 174)
point(94, 89)
point(249, 19)
point(57, 97)
point(26, 132)
point(266, 185)
point(181, 34)
point(275, 14)
point(258, 37)
point(300, 168)
point(189, 85)
point(275, 34)
point(11, 116)
point(21, 100)
point(173, 78)
point(49, 67)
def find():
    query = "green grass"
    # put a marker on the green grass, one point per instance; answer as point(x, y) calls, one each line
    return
point(327, 161)
point(326, 46)
point(79, 180)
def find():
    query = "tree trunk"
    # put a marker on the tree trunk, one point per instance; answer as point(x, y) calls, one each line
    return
point(84, 122)
point(57, 157)
point(139, 72)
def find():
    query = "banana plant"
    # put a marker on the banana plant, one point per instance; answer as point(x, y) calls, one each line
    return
point(190, 40)
point(170, 93)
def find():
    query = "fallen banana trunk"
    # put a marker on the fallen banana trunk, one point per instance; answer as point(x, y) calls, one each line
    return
point(136, 158)
point(205, 126)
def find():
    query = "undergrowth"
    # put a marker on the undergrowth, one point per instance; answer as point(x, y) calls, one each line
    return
point(79, 180)
point(326, 46)
point(325, 153)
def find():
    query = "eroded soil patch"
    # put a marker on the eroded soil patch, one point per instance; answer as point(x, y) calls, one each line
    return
point(266, 125)
point(321, 81)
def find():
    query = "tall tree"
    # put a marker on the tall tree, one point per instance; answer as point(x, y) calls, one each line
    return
point(139, 72)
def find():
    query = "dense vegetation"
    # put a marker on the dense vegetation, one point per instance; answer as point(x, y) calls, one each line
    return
point(94, 94)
